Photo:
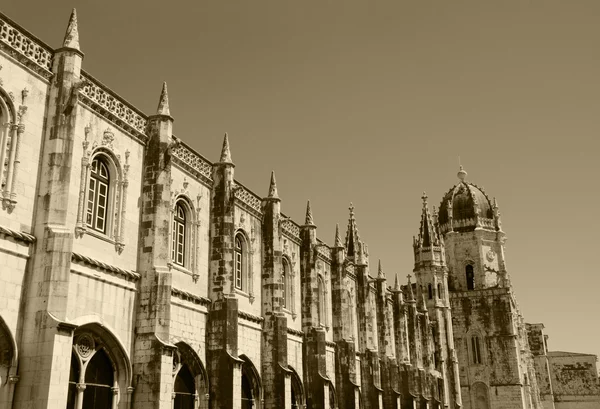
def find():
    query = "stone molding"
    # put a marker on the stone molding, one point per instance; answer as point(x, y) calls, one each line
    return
point(187, 296)
point(250, 317)
point(127, 274)
point(20, 236)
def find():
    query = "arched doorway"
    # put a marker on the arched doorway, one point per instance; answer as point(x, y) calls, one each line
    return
point(8, 364)
point(251, 386)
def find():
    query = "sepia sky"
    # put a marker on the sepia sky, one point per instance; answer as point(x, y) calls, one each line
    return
point(372, 102)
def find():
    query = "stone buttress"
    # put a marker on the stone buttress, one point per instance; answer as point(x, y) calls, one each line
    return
point(224, 366)
point(366, 318)
point(275, 374)
point(47, 337)
point(153, 354)
point(347, 385)
point(314, 363)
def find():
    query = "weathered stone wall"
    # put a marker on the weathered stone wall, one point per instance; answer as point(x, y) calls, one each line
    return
point(574, 379)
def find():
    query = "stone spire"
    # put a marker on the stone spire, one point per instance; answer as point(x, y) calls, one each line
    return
point(225, 153)
point(163, 103)
point(72, 35)
point(396, 283)
point(380, 274)
point(421, 302)
point(427, 234)
point(273, 187)
point(352, 236)
point(309, 217)
point(338, 239)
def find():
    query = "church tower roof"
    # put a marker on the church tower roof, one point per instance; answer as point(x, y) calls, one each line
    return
point(465, 207)
point(352, 235)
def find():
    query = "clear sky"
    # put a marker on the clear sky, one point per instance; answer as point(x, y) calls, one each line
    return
point(373, 102)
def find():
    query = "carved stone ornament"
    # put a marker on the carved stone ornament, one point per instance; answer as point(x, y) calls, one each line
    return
point(85, 345)
point(107, 138)
point(490, 255)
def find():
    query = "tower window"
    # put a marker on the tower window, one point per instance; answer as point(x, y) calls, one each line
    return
point(470, 277)
point(430, 291)
point(97, 200)
point(239, 261)
point(321, 301)
point(439, 290)
point(179, 234)
point(476, 350)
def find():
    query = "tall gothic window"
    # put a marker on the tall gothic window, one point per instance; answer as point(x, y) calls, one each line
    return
point(476, 350)
point(439, 290)
point(321, 301)
point(98, 195)
point(287, 288)
point(430, 291)
point(98, 382)
point(179, 235)
point(470, 277)
point(239, 261)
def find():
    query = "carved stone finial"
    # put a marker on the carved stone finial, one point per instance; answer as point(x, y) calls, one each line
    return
point(462, 174)
point(225, 152)
point(163, 102)
point(411, 295)
point(72, 35)
point(309, 217)
point(396, 283)
point(273, 187)
point(380, 271)
point(424, 197)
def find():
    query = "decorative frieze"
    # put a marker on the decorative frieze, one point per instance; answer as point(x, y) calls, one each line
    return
point(25, 48)
point(291, 229)
point(187, 296)
point(17, 235)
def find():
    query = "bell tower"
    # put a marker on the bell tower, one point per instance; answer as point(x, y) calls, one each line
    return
point(495, 363)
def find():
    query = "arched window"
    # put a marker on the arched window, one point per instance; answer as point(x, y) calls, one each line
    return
point(470, 277)
point(99, 379)
point(287, 288)
point(179, 233)
point(98, 195)
point(480, 395)
point(439, 290)
point(251, 385)
point(73, 380)
point(185, 389)
point(240, 262)
point(476, 349)
point(430, 291)
point(321, 301)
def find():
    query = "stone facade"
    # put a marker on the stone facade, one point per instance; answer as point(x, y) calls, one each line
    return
point(138, 274)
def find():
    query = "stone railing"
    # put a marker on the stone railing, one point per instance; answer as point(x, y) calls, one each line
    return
point(193, 161)
point(244, 195)
point(291, 229)
point(25, 47)
point(106, 102)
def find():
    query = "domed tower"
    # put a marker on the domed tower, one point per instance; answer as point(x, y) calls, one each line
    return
point(496, 365)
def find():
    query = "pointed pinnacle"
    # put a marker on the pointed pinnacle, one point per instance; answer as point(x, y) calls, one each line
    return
point(424, 197)
point(163, 102)
point(380, 271)
point(72, 35)
point(411, 295)
point(273, 187)
point(396, 283)
point(309, 216)
point(225, 153)
point(338, 239)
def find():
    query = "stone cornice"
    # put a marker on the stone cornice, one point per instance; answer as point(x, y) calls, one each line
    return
point(250, 317)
